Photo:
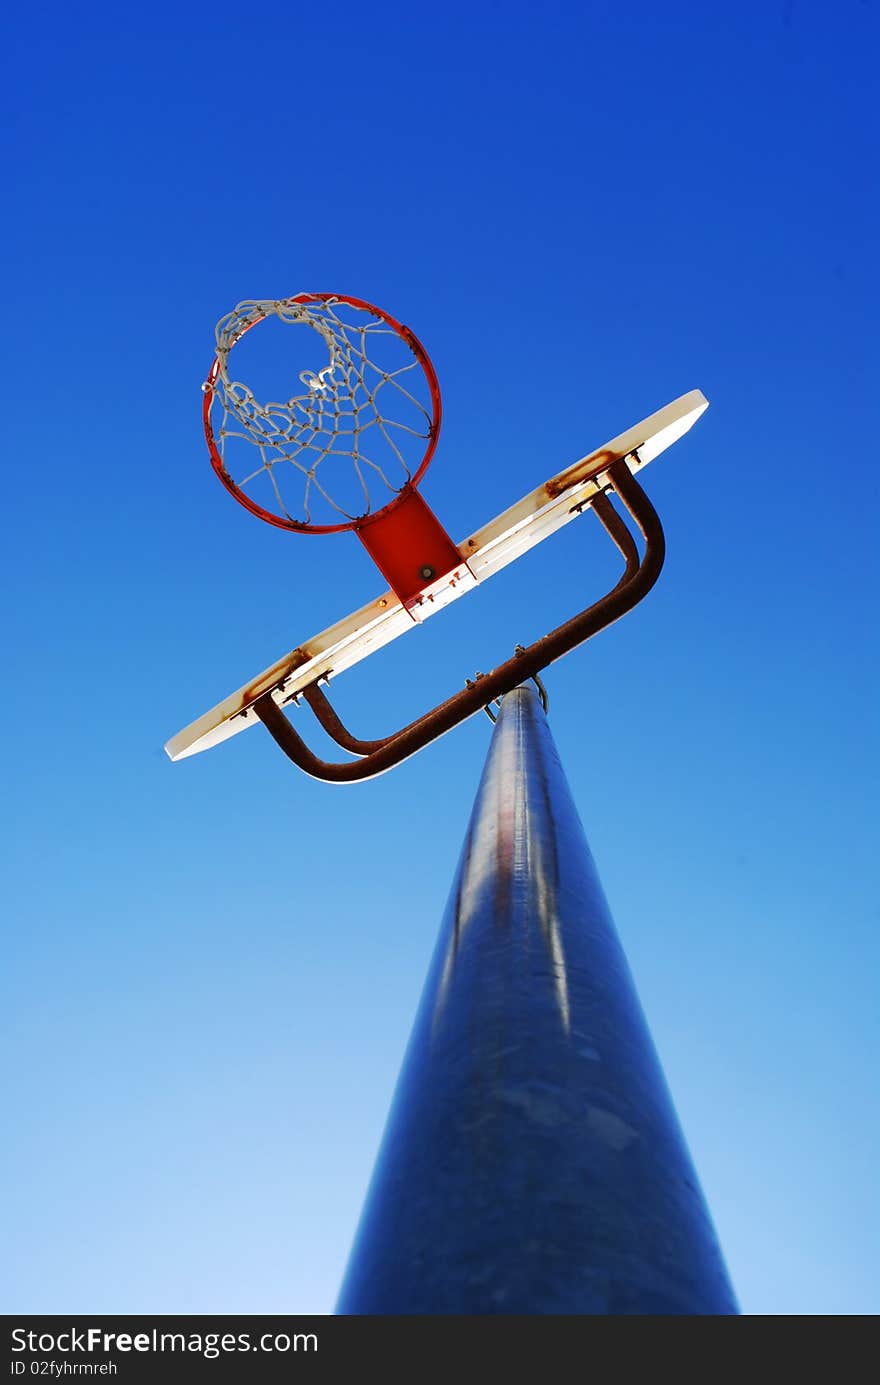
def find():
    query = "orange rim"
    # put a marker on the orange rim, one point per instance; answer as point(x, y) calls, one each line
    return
point(301, 526)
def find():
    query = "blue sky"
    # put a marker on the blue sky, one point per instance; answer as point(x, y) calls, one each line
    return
point(212, 967)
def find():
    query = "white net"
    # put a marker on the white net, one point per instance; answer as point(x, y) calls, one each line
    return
point(352, 422)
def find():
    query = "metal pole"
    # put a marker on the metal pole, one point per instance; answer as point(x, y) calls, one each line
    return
point(532, 1161)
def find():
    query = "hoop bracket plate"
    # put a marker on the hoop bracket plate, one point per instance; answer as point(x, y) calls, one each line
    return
point(413, 552)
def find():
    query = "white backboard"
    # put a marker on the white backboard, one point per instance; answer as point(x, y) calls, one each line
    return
point(519, 528)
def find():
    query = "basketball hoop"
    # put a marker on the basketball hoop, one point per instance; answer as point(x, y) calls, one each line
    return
point(356, 431)
point(340, 442)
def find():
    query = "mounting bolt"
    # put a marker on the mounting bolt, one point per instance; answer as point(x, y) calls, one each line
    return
point(427, 572)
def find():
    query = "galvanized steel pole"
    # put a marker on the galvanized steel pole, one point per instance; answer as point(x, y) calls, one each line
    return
point(532, 1161)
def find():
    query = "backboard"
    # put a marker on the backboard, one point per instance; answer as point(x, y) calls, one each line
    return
point(532, 519)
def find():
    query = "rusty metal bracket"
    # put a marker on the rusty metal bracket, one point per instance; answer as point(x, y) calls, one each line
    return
point(496, 701)
point(377, 756)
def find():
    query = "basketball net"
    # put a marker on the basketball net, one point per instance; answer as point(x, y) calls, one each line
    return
point(349, 439)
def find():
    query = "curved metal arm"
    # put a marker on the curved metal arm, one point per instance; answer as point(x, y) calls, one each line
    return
point(329, 719)
point(379, 756)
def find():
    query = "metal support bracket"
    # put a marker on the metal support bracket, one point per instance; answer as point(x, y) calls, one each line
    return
point(377, 756)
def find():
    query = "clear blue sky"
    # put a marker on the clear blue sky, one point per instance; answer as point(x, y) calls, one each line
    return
point(211, 967)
